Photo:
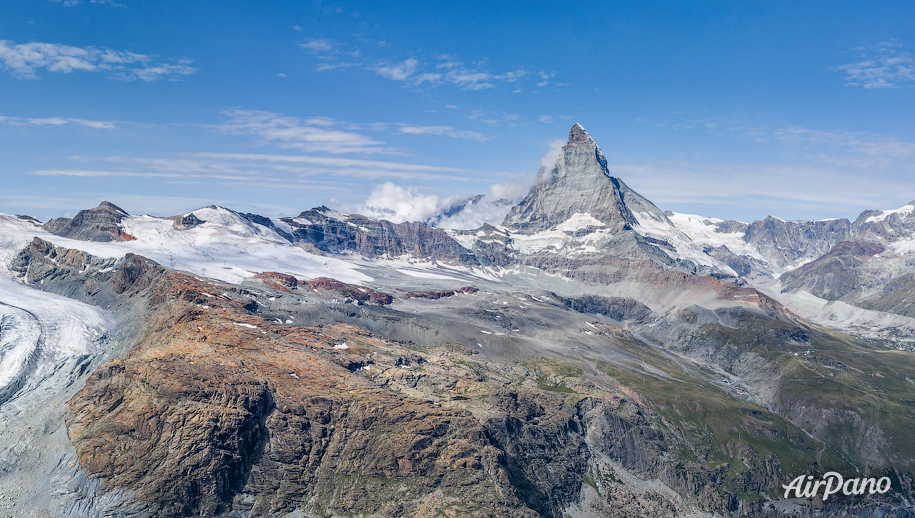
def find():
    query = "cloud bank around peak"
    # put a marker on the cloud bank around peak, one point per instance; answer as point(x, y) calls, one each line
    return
point(461, 212)
point(398, 204)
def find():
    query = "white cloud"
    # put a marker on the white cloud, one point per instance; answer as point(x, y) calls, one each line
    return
point(318, 46)
point(545, 78)
point(545, 119)
point(441, 130)
point(74, 3)
point(549, 159)
point(399, 204)
point(885, 67)
point(24, 60)
point(399, 71)
point(312, 135)
point(321, 67)
point(410, 71)
point(154, 73)
point(56, 121)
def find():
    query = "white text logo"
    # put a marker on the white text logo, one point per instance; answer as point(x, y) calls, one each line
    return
point(832, 482)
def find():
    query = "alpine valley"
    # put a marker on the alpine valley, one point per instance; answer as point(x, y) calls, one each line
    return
point(592, 356)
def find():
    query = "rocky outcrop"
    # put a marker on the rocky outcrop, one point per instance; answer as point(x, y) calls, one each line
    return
point(280, 279)
point(439, 294)
point(187, 221)
point(372, 238)
point(333, 287)
point(620, 309)
point(99, 224)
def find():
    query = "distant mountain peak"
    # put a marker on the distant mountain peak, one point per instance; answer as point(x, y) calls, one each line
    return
point(108, 206)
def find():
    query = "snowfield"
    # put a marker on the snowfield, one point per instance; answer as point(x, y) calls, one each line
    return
point(39, 330)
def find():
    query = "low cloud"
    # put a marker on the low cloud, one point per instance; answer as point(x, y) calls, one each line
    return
point(398, 204)
point(549, 159)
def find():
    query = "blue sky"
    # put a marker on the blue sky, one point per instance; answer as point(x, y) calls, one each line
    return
point(727, 109)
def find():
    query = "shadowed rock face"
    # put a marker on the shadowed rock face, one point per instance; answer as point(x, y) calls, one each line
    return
point(835, 274)
point(785, 242)
point(377, 238)
point(99, 224)
point(580, 183)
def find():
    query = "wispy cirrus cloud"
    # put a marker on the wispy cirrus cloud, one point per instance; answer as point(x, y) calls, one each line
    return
point(24, 60)
point(74, 3)
point(441, 130)
point(311, 135)
point(56, 121)
point(790, 191)
point(259, 170)
point(884, 66)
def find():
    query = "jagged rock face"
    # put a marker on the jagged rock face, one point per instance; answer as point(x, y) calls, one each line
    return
point(786, 242)
point(376, 238)
point(99, 224)
point(580, 182)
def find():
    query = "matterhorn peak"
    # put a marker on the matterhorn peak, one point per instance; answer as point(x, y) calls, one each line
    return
point(580, 185)
point(579, 136)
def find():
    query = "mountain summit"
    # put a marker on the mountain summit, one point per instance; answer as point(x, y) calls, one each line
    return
point(580, 184)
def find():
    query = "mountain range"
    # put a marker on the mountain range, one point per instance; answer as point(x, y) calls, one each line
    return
point(590, 356)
